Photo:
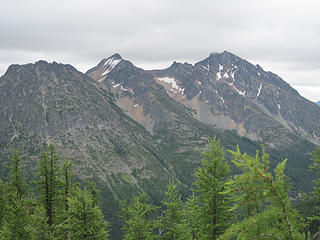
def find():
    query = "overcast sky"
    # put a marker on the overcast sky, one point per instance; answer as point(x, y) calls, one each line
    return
point(282, 36)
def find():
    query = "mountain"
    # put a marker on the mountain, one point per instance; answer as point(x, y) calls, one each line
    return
point(318, 103)
point(232, 93)
point(134, 130)
point(46, 102)
point(183, 105)
point(223, 90)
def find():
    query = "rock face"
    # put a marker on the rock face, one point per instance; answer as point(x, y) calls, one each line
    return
point(45, 102)
point(183, 105)
point(222, 90)
point(231, 93)
point(318, 103)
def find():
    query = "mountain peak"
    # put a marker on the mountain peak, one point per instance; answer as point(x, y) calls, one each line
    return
point(106, 65)
point(41, 62)
point(214, 54)
point(116, 56)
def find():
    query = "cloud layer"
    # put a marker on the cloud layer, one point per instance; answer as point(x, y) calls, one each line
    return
point(282, 36)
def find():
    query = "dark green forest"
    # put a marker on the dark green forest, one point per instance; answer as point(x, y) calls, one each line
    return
point(253, 204)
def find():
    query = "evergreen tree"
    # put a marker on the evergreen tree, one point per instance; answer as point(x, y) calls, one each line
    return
point(173, 224)
point(3, 200)
point(314, 221)
point(316, 168)
point(40, 228)
point(212, 204)
point(86, 220)
point(16, 222)
point(50, 182)
point(67, 183)
point(136, 216)
point(62, 228)
point(16, 218)
point(92, 188)
point(264, 198)
point(17, 182)
point(192, 216)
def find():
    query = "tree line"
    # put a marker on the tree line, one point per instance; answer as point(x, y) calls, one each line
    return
point(253, 204)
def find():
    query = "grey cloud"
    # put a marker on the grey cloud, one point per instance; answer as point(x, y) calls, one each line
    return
point(155, 33)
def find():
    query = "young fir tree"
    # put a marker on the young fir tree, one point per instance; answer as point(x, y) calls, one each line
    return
point(17, 181)
point(172, 223)
point(263, 197)
point(315, 219)
point(92, 188)
point(67, 183)
point(16, 222)
point(40, 228)
point(212, 204)
point(3, 200)
point(16, 218)
point(192, 216)
point(50, 183)
point(86, 220)
point(62, 229)
point(138, 224)
point(316, 168)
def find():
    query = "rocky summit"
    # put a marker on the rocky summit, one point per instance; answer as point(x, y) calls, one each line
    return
point(222, 90)
point(134, 130)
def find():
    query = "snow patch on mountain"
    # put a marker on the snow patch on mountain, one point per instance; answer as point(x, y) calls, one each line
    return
point(230, 84)
point(122, 88)
point(109, 65)
point(175, 88)
point(206, 67)
point(259, 90)
point(219, 76)
point(240, 92)
point(227, 73)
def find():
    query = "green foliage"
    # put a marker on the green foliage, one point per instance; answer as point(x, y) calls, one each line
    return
point(136, 216)
point(17, 182)
point(211, 203)
point(39, 225)
point(172, 223)
point(50, 182)
point(192, 214)
point(3, 200)
point(92, 188)
point(67, 183)
point(264, 198)
point(313, 210)
point(84, 219)
point(259, 197)
point(15, 219)
point(16, 222)
point(316, 168)
point(64, 194)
